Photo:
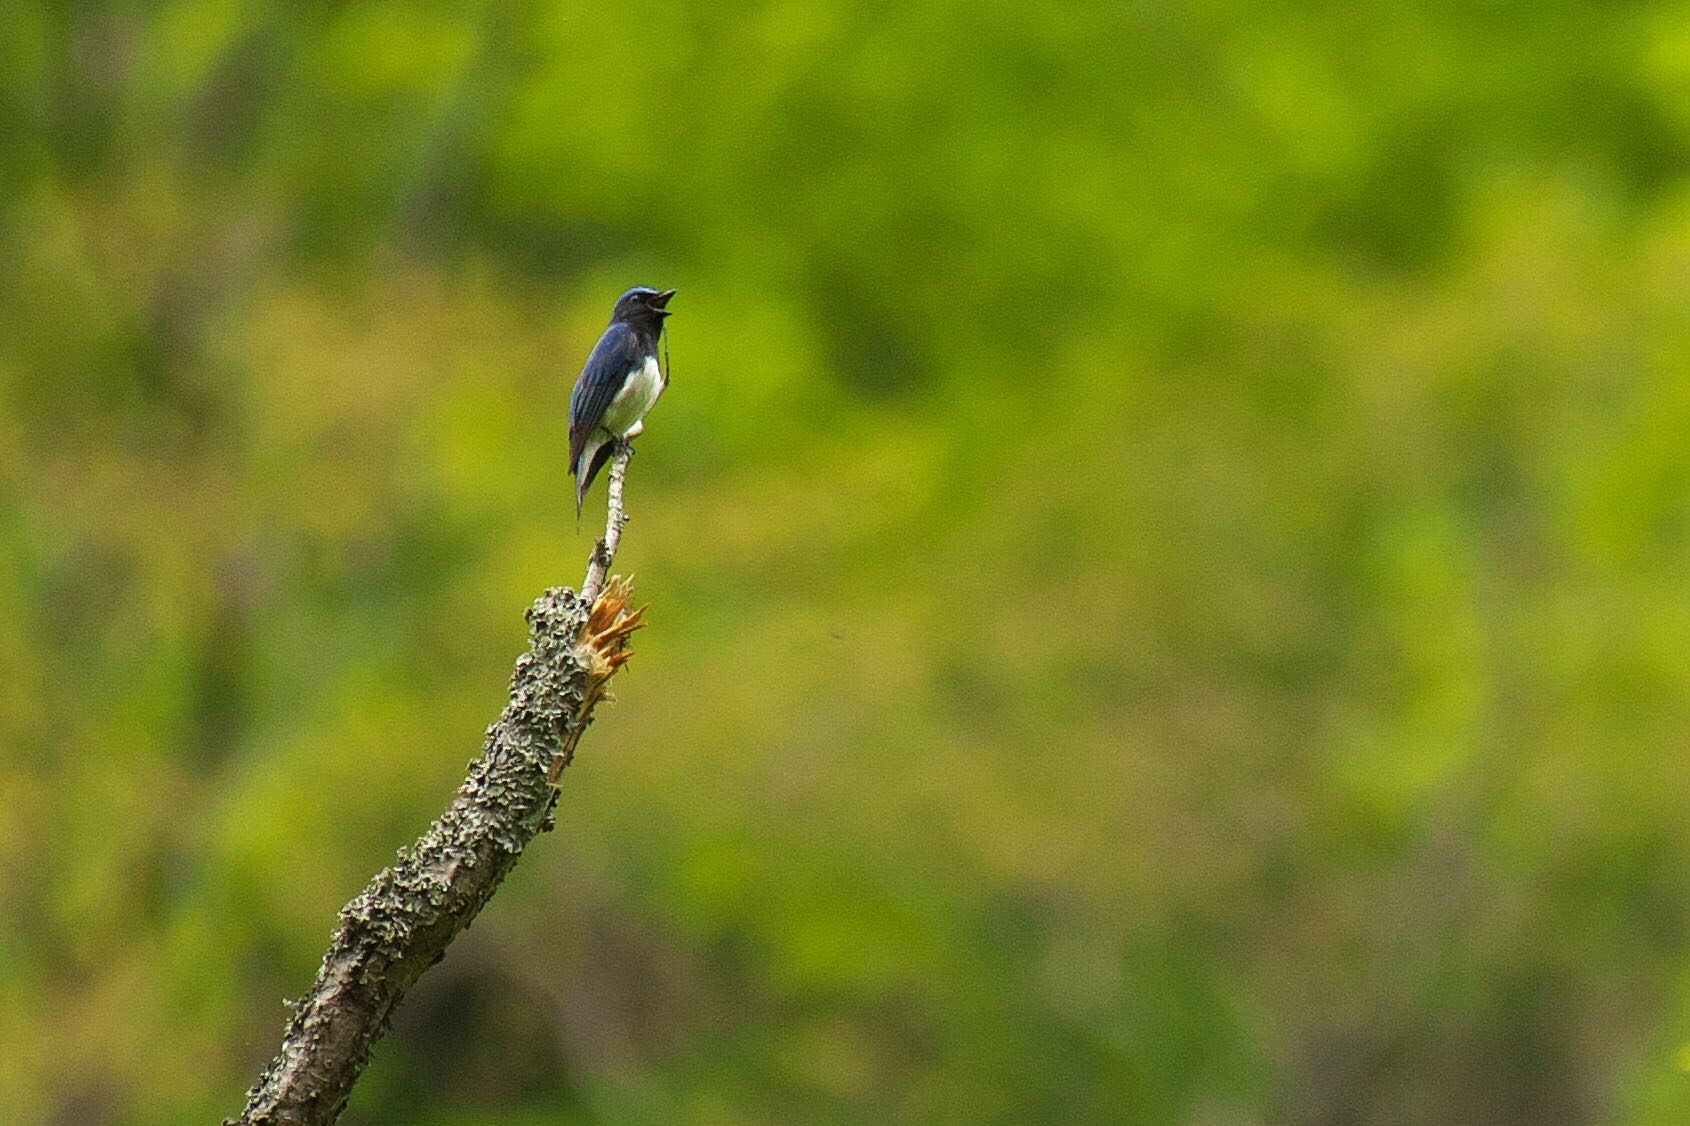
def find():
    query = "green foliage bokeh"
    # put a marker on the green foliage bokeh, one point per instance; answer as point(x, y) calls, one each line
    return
point(1168, 543)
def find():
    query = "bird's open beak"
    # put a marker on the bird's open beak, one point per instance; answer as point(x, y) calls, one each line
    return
point(661, 300)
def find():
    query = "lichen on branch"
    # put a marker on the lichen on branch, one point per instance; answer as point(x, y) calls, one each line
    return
point(403, 921)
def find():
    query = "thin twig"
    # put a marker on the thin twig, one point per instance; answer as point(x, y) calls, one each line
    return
point(604, 551)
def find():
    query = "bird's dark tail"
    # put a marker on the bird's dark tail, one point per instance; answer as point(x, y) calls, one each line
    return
point(593, 458)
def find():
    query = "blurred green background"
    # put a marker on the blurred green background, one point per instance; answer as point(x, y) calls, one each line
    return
point(1168, 543)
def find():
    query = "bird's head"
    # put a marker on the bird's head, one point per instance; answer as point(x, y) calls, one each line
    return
point(642, 306)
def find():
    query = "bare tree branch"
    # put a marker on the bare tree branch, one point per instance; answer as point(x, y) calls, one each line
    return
point(402, 922)
point(598, 564)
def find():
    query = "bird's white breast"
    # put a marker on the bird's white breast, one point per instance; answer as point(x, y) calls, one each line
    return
point(638, 394)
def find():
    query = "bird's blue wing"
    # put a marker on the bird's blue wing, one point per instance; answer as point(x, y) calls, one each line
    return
point(601, 378)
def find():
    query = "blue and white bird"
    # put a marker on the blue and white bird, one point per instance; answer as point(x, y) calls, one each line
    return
point(618, 385)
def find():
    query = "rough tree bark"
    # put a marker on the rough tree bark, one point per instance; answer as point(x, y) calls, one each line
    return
point(401, 923)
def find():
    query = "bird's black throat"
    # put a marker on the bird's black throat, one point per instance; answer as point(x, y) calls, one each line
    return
point(647, 329)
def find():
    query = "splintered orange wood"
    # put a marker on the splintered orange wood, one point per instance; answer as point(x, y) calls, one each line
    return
point(602, 650)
